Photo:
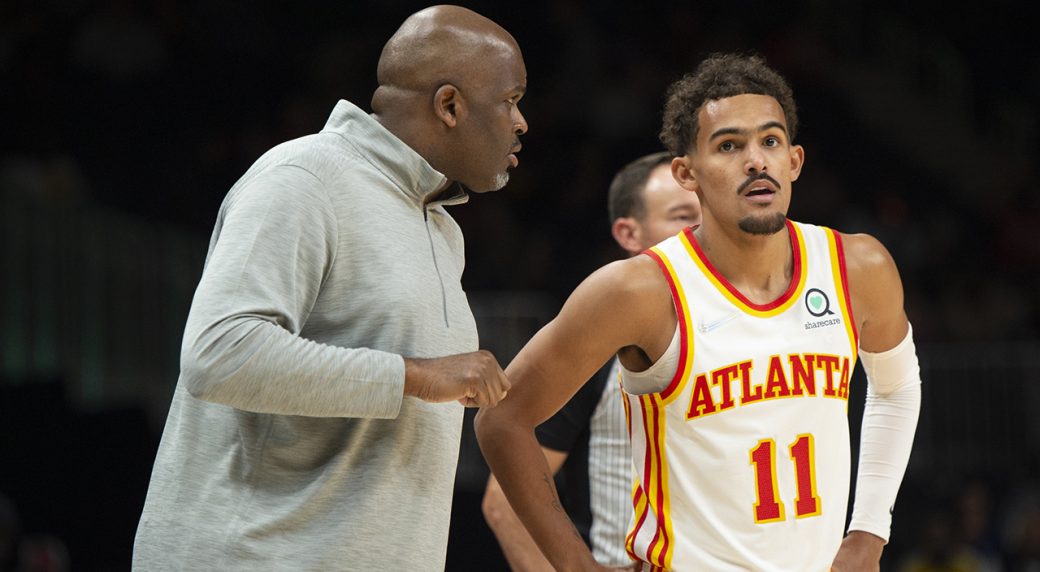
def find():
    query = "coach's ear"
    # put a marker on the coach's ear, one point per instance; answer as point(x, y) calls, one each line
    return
point(448, 104)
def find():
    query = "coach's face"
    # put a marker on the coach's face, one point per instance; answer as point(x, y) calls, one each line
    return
point(487, 136)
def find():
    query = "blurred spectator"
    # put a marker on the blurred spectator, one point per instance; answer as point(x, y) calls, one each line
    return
point(977, 528)
point(1021, 533)
point(940, 548)
point(118, 42)
point(44, 554)
point(10, 535)
point(55, 181)
point(25, 553)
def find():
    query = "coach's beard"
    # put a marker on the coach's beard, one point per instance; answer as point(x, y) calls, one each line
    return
point(765, 225)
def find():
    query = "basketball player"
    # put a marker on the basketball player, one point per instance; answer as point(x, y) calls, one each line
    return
point(588, 438)
point(330, 349)
point(736, 341)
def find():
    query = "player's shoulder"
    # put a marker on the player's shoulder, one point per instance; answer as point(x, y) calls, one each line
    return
point(638, 275)
point(632, 291)
point(869, 266)
point(865, 253)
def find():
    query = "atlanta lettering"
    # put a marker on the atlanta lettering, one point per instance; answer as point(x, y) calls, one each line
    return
point(797, 375)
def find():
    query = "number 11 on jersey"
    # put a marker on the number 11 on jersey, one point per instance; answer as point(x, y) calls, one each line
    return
point(769, 508)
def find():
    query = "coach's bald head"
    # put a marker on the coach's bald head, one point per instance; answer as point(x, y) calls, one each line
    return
point(441, 44)
point(449, 80)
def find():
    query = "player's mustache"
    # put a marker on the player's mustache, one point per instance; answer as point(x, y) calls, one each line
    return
point(758, 177)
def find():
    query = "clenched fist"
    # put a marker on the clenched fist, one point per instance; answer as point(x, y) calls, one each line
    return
point(474, 379)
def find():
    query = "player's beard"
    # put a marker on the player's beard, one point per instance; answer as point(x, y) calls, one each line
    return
point(763, 225)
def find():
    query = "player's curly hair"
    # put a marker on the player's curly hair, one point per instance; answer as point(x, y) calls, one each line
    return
point(720, 76)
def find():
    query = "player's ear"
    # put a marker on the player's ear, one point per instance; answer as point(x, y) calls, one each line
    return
point(626, 232)
point(797, 161)
point(683, 173)
point(448, 104)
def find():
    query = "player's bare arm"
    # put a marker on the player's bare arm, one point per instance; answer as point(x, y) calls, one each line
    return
point(860, 552)
point(876, 291)
point(625, 304)
point(887, 354)
point(520, 550)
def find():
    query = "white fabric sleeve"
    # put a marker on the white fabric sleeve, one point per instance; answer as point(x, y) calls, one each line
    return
point(889, 421)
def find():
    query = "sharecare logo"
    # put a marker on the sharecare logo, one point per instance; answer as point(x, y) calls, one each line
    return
point(817, 303)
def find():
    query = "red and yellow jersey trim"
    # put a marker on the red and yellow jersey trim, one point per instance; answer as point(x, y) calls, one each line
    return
point(682, 314)
point(773, 308)
point(650, 498)
point(841, 286)
point(639, 507)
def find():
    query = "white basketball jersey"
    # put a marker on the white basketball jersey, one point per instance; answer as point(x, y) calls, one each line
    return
point(741, 447)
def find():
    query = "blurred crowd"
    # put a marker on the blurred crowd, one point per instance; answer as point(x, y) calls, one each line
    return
point(970, 525)
point(921, 126)
point(973, 526)
point(917, 127)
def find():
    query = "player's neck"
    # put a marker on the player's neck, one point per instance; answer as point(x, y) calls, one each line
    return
point(760, 267)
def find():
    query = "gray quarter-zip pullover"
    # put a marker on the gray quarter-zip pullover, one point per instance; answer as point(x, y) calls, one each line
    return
point(288, 444)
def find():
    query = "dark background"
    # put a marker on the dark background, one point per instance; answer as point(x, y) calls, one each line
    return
point(123, 124)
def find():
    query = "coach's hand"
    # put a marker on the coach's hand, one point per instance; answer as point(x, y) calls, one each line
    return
point(474, 379)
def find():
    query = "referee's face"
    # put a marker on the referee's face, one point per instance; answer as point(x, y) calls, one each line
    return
point(667, 207)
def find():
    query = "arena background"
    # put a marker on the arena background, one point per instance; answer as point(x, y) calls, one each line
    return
point(123, 124)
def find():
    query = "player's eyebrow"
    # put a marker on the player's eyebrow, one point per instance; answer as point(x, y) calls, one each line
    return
point(738, 131)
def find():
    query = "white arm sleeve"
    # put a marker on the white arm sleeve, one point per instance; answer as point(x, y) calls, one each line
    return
point(889, 421)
